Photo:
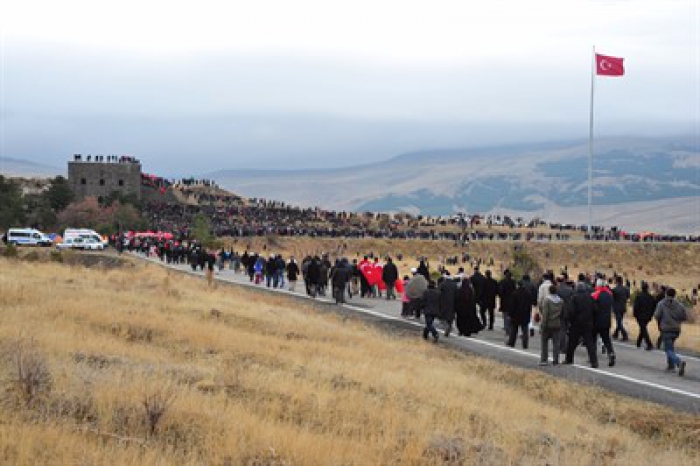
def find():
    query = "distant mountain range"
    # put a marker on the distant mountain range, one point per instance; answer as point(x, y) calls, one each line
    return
point(656, 179)
point(28, 169)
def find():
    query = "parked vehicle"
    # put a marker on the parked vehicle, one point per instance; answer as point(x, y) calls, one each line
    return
point(26, 237)
point(81, 243)
point(83, 233)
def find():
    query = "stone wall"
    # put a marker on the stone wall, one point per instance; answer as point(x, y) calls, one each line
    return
point(100, 179)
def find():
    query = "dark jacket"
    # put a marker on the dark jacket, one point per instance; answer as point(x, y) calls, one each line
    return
point(292, 271)
point(644, 306)
point(423, 270)
point(313, 274)
point(489, 292)
point(566, 293)
point(603, 307)
point(581, 310)
point(506, 288)
point(431, 302)
point(390, 273)
point(478, 285)
point(620, 297)
point(340, 276)
point(522, 306)
point(447, 288)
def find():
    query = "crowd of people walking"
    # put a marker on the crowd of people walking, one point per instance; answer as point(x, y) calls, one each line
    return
point(569, 313)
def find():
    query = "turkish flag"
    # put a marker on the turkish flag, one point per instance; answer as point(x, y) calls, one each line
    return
point(609, 66)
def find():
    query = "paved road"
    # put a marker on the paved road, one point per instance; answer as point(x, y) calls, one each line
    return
point(638, 373)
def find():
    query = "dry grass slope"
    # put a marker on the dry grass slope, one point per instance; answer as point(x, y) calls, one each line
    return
point(135, 365)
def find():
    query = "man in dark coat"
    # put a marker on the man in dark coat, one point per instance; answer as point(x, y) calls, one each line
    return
point(423, 270)
point(431, 310)
point(520, 314)
point(313, 275)
point(477, 281)
point(487, 305)
point(506, 288)
point(292, 273)
point(565, 291)
point(621, 294)
point(643, 308)
point(389, 276)
point(602, 316)
point(340, 276)
point(447, 288)
point(581, 324)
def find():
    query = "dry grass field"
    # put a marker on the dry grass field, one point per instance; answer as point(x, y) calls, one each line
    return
point(136, 365)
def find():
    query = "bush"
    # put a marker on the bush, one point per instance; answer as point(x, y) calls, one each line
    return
point(525, 264)
point(56, 256)
point(10, 252)
point(155, 406)
point(32, 256)
point(27, 376)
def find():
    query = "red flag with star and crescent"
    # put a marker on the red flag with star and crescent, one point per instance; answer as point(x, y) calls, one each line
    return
point(609, 66)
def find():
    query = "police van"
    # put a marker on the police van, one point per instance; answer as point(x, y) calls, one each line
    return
point(26, 237)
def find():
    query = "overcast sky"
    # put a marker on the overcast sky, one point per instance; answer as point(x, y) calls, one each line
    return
point(191, 87)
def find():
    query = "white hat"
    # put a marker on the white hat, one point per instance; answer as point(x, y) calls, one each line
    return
point(414, 270)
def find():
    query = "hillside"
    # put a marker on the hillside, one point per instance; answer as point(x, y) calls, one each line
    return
point(536, 179)
point(133, 365)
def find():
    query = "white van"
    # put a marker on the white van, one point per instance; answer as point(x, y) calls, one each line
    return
point(85, 234)
point(26, 237)
point(81, 243)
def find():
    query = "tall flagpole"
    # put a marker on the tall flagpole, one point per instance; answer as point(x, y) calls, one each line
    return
point(590, 151)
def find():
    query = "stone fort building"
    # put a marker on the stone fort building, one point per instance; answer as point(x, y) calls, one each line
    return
point(101, 175)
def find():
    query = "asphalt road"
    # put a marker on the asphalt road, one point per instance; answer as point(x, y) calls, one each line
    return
point(638, 373)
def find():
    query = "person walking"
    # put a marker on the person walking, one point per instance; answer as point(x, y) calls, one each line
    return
point(487, 306)
point(415, 290)
point(643, 309)
point(448, 289)
point(389, 276)
point(506, 289)
point(339, 280)
point(603, 315)
point(621, 294)
point(671, 314)
point(520, 315)
point(292, 274)
point(552, 310)
point(581, 324)
point(465, 307)
point(431, 310)
point(313, 276)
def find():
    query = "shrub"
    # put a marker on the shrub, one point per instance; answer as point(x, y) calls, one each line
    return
point(155, 406)
point(32, 256)
point(525, 264)
point(10, 251)
point(27, 377)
